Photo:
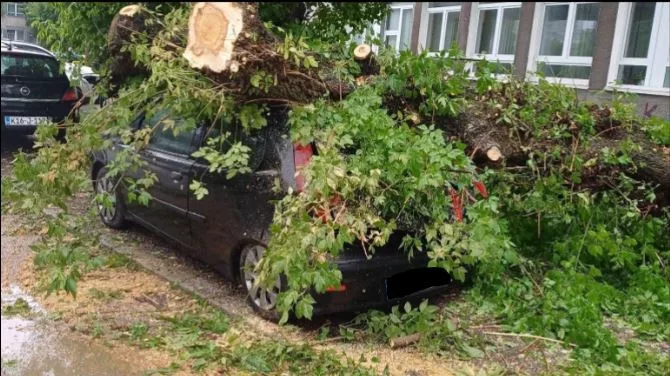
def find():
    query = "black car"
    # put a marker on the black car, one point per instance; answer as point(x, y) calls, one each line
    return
point(34, 90)
point(229, 227)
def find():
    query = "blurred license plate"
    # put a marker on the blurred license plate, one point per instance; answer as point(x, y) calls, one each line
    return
point(25, 120)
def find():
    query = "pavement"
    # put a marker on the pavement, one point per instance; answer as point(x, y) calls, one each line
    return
point(31, 343)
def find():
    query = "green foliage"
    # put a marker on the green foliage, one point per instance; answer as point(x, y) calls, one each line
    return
point(658, 130)
point(548, 254)
point(386, 176)
point(202, 337)
point(20, 307)
point(68, 28)
point(330, 21)
point(438, 332)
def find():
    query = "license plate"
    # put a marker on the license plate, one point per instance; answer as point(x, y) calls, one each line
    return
point(20, 121)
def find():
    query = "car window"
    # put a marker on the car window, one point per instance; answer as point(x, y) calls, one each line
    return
point(164, 138)
point(255, 140)
point(30, 66)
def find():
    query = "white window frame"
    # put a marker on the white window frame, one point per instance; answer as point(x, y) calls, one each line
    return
point(423, 33)
point(660, 37)
point(473, 35)
point(397, 32)
point(565, 58)
point(15, 35)
point(16, 12)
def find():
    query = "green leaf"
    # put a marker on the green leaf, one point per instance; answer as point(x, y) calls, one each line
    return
point(472, 352)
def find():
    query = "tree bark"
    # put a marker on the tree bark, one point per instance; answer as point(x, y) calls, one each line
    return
point(128, 22)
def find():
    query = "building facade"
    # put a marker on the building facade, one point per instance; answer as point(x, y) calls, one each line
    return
point(14, 23)
point(595, 47)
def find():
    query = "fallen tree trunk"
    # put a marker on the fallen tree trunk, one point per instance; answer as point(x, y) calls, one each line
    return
point(230, 44)
point(130, 21)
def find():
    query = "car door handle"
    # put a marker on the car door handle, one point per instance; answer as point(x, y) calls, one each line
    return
point(177, 176)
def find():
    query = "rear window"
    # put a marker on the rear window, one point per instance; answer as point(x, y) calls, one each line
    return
point(30, 66)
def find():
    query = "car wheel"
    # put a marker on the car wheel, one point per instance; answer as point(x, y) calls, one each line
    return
point(113, 216)
point(262, 300)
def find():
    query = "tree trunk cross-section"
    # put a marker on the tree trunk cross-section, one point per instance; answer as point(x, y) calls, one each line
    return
point(213, 29)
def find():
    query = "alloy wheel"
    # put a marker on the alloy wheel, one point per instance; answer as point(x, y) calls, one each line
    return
point(105, 185)
point(263, 298)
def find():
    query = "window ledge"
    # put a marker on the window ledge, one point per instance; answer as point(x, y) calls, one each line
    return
point(576, 83)
point(639, 89)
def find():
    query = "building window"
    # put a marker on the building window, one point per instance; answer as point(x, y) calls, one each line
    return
point(16, 35)
point(399, 27)
point(641, 55)
point(567, 38)
point(13, 9)
point(497, 30)
point(442, 31)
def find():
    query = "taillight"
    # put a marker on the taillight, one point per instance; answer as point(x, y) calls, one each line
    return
point(340, 288)
point(301, 156)
point(69, 96)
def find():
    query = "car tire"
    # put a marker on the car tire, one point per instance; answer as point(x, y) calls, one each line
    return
point(114, 217)
point(261, 300)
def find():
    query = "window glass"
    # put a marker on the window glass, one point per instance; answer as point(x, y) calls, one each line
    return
point(584, 32)
point(553, 30)
point(510, 29)
point(645, 53)
point(434, 31)
point(439, 5)
point(29, 66)
point(406, 30)
point(391, 40)
point(451, 34)
point(487, 27)
point(666, 81)
point(14, 9)
point(639, 33)
point(498, 67)
point(632, 74)
point(393, 20)
point(565, 71)
point(164, 137)
point(399, 28)
point(442, 29)
point(255, 140)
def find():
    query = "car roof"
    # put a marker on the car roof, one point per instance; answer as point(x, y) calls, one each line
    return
point(23, 47)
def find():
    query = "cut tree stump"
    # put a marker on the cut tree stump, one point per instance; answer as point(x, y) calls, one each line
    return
point(405, 340)
point(213, 29)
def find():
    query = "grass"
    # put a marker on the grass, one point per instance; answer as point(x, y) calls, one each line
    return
point(105, 295)
point(19, 308)
point(9, 363)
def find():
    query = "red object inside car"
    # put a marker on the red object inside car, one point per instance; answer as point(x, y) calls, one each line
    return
point(302, 154)
point(69, 96)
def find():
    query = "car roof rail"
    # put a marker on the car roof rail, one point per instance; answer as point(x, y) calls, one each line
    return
point(31, 47)
point(6, 43)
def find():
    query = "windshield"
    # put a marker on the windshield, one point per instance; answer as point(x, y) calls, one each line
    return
point(30, 66)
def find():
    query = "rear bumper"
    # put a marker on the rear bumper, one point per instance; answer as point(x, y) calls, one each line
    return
point(57, 111)
point(384, 281)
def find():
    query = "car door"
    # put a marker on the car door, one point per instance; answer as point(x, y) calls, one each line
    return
point(168, 156)
point(236, 210)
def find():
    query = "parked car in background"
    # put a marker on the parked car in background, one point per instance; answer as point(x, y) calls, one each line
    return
point(87, 80)
point(33, 89)
point(229, 227)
